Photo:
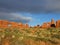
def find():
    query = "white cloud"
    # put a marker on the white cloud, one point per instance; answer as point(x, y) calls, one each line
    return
point(14, 17)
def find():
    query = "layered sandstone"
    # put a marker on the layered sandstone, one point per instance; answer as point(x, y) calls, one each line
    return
point(57, 23)
point(7, 24)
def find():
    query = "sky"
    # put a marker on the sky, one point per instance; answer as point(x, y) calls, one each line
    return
point(32, 12)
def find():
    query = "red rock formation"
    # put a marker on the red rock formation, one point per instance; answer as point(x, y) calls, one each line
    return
point(52, 21)
point(0, 23)
point(3, 23)
point(26, 26)
point(13, 24)
point(35, 26)
point(44, 25)
point(57, 23)
point(6, 24)
point(48, 24)
point(20, 25)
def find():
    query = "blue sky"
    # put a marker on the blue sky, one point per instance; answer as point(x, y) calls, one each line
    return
point(42, 17)
point(32, 12)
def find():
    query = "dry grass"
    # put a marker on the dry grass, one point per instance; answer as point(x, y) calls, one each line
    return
point(30, 36)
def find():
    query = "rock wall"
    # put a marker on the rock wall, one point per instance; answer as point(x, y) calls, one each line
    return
point(58, 24)
point(46, 25)
point(49, 24)
point(7, 24)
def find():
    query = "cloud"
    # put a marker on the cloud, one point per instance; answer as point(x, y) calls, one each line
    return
point(52, 6)
point(20, 5)
point(14, 17)
point(9, 7)
point(32, 6)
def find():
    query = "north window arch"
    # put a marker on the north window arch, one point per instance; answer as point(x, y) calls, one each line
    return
point(52, 25)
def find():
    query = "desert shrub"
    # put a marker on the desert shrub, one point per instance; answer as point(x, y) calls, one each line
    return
point(21, 36)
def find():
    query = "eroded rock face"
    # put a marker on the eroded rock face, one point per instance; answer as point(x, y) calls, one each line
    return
point(0, 23)
point(49, 24)
point(13, 24)
point(26, 26)
point(52, 21)
point(58, 24)
point(4, 23)
point(46, 25)
point(7, 24)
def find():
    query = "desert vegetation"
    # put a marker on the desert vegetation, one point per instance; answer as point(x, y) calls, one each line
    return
point(30, 36)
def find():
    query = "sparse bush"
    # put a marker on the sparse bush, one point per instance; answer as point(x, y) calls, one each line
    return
point(19, 36)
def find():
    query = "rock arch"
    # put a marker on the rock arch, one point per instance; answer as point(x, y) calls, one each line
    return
point(52, 25)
